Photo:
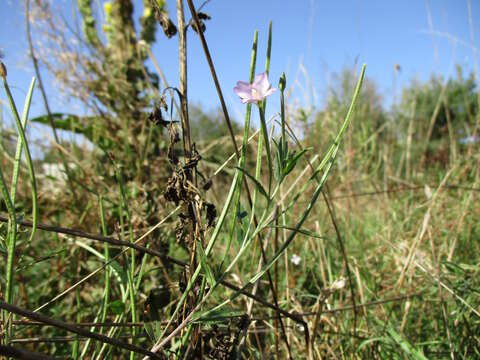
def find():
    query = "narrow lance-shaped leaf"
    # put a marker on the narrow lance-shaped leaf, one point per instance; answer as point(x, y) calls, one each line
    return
point(205, 267)
point(258, 185)
point(219, 316)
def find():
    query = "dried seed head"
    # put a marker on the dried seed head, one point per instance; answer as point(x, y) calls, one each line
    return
point(3, 70)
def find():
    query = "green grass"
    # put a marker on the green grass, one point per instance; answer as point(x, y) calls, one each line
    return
point(383, 221)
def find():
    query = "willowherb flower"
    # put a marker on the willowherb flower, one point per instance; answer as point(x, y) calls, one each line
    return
point(255, 92)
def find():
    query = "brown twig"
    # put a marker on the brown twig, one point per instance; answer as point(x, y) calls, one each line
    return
point(65, 339)
point(345, 259)
point(82, 324)
point(351, 307)
point(214, 76)
point(75, 329)
point(82, 234)
point(16, 353)
point(182, 54)
point(403, 188)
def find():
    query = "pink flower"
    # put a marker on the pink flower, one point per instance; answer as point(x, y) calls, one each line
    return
point(256, 92)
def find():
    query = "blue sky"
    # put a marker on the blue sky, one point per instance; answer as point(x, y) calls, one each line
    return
point(323, 35)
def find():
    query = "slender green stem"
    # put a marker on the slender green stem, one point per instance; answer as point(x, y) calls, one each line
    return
point(269, 49)
point(10, 199)
point(76, 343)
point(106, 295)
point(141, 272)
point(258, 168)
point(11, 239)
point(13, 188)
point(282, 85)
point(243, 155)
point(28, 157)
point(262, 108)
point(264, 134)
point(131, 270)
point(18, 151)
point(102, 314)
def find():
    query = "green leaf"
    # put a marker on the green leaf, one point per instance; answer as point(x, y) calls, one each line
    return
point(205, 267)
point(149, 330)
point(278, 162)
point(153, 330)
point(259, 186)
point(3, 245)
point(216, 316)
point(70, 122)
point(292, 161)
point(406, 347)
point(117, 307)
point(300, 231)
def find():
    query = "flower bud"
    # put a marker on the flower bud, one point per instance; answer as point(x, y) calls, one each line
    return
point(282, 83)
point(3, 70)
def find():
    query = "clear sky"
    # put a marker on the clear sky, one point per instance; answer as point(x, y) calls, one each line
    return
point(422, 36)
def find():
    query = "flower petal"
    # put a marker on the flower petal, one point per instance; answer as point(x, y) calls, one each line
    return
point(265, 86)
point(243, 85)
point(249, 100)
point(255, 92)
point(243, 89)
point(259, 80)
point(262, 84)
point(269, 92)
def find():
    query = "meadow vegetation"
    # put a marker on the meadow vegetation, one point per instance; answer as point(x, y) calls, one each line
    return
point(340, 230)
